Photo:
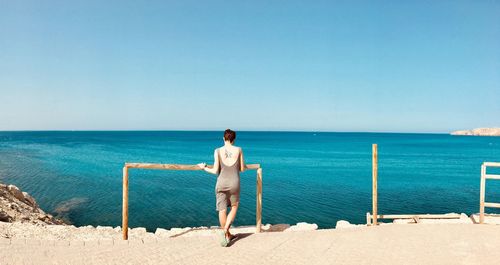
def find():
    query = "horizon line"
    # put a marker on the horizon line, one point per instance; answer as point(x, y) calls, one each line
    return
point(213, 130)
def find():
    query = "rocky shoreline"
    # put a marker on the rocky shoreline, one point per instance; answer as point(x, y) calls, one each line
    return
point(19, 206)
point(479, 132)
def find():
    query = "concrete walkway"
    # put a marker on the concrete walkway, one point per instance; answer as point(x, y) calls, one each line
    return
point(389, 244)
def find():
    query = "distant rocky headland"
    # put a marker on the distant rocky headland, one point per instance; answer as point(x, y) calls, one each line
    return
point(19, 206)
point(479, 132)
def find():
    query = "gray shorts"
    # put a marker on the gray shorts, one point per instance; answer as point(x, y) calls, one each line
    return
point(225, 199)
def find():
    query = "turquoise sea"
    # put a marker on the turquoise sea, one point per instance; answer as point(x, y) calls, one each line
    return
point(314, 177)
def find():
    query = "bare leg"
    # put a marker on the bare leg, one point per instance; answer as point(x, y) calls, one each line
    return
point(222, 218)
point(230, 219)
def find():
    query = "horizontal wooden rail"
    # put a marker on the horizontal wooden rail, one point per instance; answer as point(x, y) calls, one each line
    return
point(420, 216)
point(492, 205)
point(482, 192)
point(491, 164)
point(127, 166)
point(176, 166)
point(415, 217)
point(490, 176)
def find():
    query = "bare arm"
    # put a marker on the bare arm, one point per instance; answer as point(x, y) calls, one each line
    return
point(215, 168)
point(243, 166)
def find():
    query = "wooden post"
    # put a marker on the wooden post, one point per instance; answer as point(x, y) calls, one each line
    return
point(258, 213)
point(481, 194)
point(374, 183)
point(125, 204)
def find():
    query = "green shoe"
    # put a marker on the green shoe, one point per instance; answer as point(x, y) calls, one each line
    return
point(223, 240)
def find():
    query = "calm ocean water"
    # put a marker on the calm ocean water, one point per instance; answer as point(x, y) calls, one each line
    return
point(312, 177)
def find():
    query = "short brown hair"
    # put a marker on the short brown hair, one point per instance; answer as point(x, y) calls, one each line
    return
point(229, 135)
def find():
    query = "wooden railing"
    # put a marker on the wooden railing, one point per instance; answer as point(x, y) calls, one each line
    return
point(372, 218)
point(484, 177)
point(258, 214)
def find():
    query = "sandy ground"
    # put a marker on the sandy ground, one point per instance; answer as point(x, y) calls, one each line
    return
point(390, 244)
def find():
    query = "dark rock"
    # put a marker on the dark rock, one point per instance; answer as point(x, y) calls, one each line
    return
point(4, 217)
point(29, 200)
point(16, 192)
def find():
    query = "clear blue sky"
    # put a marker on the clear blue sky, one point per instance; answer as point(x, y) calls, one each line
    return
point(399, 66)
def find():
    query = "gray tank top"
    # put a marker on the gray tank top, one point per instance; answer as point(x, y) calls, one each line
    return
point(229, 176)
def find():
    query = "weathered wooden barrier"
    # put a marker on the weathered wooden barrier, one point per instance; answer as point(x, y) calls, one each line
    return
point(372, 218)
point(484, 177)
point(183, 167)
